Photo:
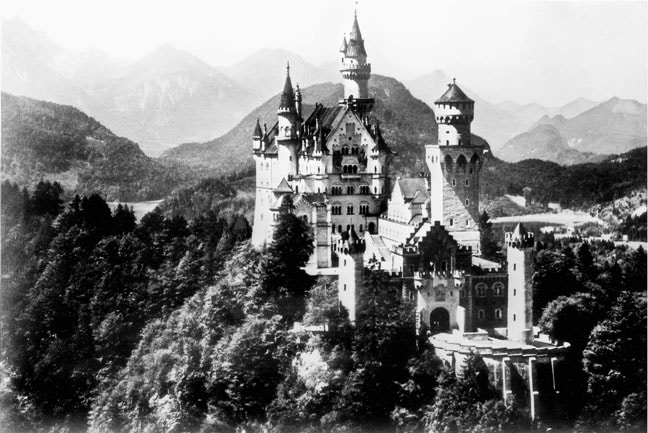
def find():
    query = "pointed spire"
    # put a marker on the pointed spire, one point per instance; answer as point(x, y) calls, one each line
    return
point(257, 130)
point(355, 48)
point(344, 45)
point(287, 96)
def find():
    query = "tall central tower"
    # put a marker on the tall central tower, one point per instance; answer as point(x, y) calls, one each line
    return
point(355, 71)
point(454, 164)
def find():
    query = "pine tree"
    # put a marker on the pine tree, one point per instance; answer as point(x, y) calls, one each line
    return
point(284, 279)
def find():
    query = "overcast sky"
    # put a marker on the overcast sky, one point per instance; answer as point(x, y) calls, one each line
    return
point(525, 51)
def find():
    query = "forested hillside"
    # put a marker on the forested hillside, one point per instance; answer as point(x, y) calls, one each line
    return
point(43, 140)
point(169, 325)
point(576, 186)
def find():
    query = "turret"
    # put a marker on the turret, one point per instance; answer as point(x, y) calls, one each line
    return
point(257, 135)
point(519, 255)
point(454, 112)
point(355, 71)
point(289, 124)
point(454, 163)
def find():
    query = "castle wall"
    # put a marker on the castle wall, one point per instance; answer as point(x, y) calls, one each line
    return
point(485, 298)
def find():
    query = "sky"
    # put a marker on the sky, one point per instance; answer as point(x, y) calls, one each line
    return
point(549, 52)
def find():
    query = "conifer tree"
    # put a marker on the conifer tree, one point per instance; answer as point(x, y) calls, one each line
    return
point(284, 279)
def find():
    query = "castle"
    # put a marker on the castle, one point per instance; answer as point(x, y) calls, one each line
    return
point(334, 164)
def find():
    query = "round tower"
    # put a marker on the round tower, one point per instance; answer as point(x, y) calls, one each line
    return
point(454, 113)
point(454, 163)
point(355, 70)
point(288, 123)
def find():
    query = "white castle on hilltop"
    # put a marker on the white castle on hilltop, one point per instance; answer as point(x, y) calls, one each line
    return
point(334, 164)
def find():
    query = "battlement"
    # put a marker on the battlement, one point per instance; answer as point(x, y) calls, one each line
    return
point(525, 240)
point(349, 246)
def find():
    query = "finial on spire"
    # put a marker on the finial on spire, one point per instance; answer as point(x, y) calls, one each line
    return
point(454, 80)
point(288, 67)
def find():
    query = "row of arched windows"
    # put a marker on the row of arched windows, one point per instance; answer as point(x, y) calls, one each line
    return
point(497, 288)
point(350, 190)
point(352, 151)
point(350, 169)
point(481, 314)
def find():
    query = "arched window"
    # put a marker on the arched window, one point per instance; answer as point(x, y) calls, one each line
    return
point(498, 313)
point(350, 209)
point(461, 164)
point(350, 190)
point(355, 169)
point(375, 169)
point(498, 289)
point(480, 290)
point(448, 163)
point(481, 314)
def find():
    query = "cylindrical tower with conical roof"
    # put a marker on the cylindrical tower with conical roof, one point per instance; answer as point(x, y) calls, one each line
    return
point(355, 70)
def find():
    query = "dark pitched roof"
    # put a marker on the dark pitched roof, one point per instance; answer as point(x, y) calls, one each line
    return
point(355, 47)
point(413, 187)
point(283, 187)
point(271, 147)
point(257, 130)
point(287, 95)
point(318, 126)
point(314, 198)
point(453, 94)
point(344, 45)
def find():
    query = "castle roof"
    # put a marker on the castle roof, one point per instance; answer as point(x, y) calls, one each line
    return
point(414, 189)
point(287, 95)
point(355, 48)
point(343, 47)
point(453, 94)
point(519, 231)
point(283, 187)
point(257, 130)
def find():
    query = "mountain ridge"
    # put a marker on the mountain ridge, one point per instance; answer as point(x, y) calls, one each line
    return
point(45, 140)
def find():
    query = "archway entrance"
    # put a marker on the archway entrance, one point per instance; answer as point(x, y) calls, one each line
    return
point(371, 228)
point(439, 320)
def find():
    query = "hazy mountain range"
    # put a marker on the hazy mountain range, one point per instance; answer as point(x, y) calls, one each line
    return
point(170, 97)
point(614, 126)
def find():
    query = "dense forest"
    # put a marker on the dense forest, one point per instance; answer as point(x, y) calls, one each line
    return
point(178, 325)
point(575, 186)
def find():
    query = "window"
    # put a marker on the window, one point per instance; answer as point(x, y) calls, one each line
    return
point(350, 190)
point(305, 218)
point(514, 292)
point(467, 222)
point(466, 202)
point(514, 266)
point(480, 290)
point(364, 209)
point(336, 209)
point(514, 317)
point(364, 189)
point(481, 314)
point(345, 284)
point(467, 182)
point(350, 209)
point(498, 289)
point(498, 314)
point(451, 222)
point(454, 182)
